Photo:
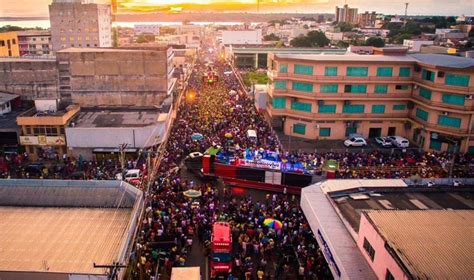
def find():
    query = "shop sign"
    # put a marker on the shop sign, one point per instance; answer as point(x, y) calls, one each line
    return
point(28, 140)
point(264, 164)
point(43, 140)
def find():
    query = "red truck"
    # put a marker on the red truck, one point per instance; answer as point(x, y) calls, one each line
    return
point(221, 250)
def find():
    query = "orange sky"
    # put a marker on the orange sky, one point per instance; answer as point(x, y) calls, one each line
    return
point(18, 8)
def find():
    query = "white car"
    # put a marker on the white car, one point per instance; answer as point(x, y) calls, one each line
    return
point(129, 175)
point(355, 142)
point(399, 142)
point(383, 141)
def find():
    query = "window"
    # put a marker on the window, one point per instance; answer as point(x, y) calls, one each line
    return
point(301, 106)
point(457, 80)
point(449, 121)
point(384, 71)
point(425, 93)
point(325, 131)
point(355, 88)
point(381, 88)
point(353, 109)
point(330, 71)
point(421, 114)
point(388, 275)
point(435, 144)
point(283, 68)
point(378, 109)
point(279, 102)
point(357, 71)
point(305, 87)
point(428, 75)
point(328, 88)
point(303, 69)
point(2, 43)
point(280, 84)
point(402, 87)
point(454, 99)
point(369, 249)
point(327, 109)
point(399, 107)
point(405, 72)
point(14, 41)
point(299, 128)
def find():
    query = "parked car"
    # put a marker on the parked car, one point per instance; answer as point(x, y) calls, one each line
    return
point(399, 141)
point(355, 142)
point(383, 141)
point(131, 174)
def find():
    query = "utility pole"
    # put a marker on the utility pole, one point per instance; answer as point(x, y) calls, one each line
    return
point(406, 9)
point(122, 148)
point(114, 268)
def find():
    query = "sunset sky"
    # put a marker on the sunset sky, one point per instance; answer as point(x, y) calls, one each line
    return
point(16, 8)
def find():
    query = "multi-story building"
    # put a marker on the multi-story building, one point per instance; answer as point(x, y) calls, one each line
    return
point(367, 19)
point(346, 14)
point(9, 44)
point(34, 42)
point(426, 98)
point(43, 132)
point(115, 77)
point(79, 23)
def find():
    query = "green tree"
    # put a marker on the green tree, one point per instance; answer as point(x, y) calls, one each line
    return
point(145, 38)
point(345, 26)
point(399, 39)
point(115, 37)
point(312, 39)
point(271, 37)
point(375, 42)
point(300, 42)
point(7, 28)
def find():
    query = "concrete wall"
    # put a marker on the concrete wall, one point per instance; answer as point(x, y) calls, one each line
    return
point(382, 259)
point(115, 78)
point(30, 79)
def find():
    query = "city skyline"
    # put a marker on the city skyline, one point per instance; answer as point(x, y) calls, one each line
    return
point(24, 8)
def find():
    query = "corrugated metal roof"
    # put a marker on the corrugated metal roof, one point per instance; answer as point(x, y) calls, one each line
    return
point(322, 216)
point(433, 244)
point(60, 239)
point(444, 60)
point(341, 185)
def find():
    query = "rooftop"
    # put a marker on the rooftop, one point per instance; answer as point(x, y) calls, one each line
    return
point(128, 49)
point(118, 117)
point(445, 60)
point(432, 244)
point(34, 33)
point(5, 97)
point(348, 58)
point(352, 202)
point(33, 238)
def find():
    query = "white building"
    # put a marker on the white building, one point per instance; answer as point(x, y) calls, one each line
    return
point(415, 45)
point(242, 37)
point(80, 23)
point(5, 102)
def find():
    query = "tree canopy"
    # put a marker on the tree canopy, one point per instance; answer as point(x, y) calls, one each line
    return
point(312, 39)
point(375, 42)
point(271, 37)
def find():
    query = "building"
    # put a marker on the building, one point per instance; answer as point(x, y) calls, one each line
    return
point(34, 42)
point(31, 78)
point(242, 37)
point(147, 29)
point(79, 23)
point(10, 108)
point(257, 56)
point(383, 229)
point(367, 19)
point(43, 131)
point(115, 77)
point(426, 98)
point(415, 45)
point(98, 219)
point(346, 14)
point(98, 132)
point(9, 44)
point(395, 243)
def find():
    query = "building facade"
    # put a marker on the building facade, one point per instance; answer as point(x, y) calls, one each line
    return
point(425, 98)
point(367, 19)
point(34, 42)
point(9, 44)
point(78, 23)
point(115, 77)
point(346, 14)
point(43, 132)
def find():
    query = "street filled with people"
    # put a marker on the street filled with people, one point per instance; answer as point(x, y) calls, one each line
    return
point(214, 116)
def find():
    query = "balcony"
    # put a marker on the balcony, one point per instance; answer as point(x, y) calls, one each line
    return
point(442, 106)
point(440, 128)
point(442, 87)
point(338, 96)
point(272, 74)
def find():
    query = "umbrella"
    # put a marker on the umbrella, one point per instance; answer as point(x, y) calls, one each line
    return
point(192, 193)
point(197, 136)
point(228, 135)
point(272, 223)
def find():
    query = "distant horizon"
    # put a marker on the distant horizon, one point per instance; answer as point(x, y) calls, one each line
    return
point(24, 8)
